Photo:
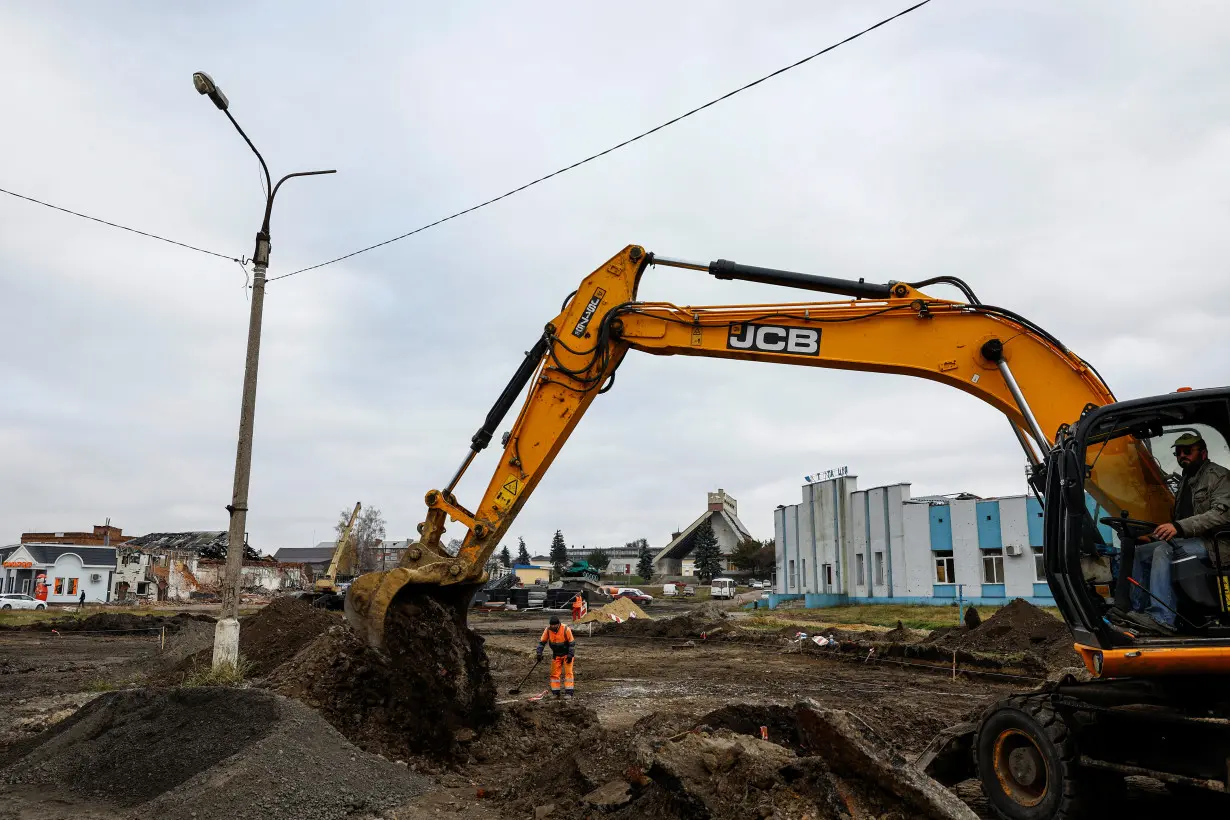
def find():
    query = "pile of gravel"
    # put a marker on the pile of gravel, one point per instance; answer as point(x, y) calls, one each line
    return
point(209, 752)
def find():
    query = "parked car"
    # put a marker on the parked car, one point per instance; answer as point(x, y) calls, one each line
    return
point(670, 590)
point(636, 596)
point(16, 600)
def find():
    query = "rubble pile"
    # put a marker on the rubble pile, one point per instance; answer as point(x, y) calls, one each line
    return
point(429, 692)
point(816, 763)
point(211, 752)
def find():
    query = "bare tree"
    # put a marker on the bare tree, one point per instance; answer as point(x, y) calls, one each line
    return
point(366, 538)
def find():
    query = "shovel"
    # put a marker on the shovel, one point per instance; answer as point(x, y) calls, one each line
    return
point(516, 690)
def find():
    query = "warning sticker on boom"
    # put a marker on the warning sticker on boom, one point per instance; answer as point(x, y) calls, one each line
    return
point(507, 494)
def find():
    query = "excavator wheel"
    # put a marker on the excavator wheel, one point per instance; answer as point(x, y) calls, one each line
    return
point(1027, 762)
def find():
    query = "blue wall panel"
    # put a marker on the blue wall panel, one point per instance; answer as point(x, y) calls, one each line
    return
point(941, 528)
point(1033, 512)
point(992, 590)
point(987, 514)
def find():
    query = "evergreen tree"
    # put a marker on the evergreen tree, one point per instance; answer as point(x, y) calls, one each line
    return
point(559, 553)
point(705, 552)
point(523, 555)
point(505, 557)
point(644, 559)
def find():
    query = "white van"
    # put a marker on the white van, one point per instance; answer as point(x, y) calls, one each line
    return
point(669, 591)
point(722, 588)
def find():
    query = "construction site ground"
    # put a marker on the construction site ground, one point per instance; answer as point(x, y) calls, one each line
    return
point(637, 686)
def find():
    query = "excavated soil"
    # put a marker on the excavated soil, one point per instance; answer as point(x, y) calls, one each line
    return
point(704, 619)
point(197, 753)
point(1019, 627)
point(667, 766)
point(267, 639)
point(427, 694)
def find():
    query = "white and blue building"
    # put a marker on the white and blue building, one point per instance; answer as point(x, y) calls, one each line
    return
point(842, 545)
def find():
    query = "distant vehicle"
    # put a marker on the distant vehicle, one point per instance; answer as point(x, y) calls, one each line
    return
point(635, 596)
point(722, 588)
point(670, 590)
point(16, 600)
point(689, 589)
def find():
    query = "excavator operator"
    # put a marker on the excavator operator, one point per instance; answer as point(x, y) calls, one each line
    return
point(563, 653)
point(1202, 505)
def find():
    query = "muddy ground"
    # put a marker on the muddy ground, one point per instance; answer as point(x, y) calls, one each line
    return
point(632, 689)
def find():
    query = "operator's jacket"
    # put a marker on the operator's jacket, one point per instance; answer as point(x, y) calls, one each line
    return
point(561, 641)
point(1210, 489)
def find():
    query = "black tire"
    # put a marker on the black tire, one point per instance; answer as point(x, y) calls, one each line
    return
point(6, 606)
point(1027, 762)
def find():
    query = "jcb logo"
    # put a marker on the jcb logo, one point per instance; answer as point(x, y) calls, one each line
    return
point(800, 341)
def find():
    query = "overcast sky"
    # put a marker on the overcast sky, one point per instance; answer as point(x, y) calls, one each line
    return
point(1070, 160)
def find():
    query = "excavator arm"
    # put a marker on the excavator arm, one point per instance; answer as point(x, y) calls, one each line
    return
point(342, 561)
point(988, 352)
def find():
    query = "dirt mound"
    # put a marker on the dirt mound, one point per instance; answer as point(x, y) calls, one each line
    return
point(119, 623)
point(1019, 627)
point(702, 620)
point(186, 753)
point(433, 683)
point(617, 611)
point(266, 640)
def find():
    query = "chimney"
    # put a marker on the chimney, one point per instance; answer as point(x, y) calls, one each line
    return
point(720, 501)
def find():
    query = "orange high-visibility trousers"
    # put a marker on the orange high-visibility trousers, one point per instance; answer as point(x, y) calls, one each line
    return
point(561, 667)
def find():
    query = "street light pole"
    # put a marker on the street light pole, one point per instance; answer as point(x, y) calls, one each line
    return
point(226, 634)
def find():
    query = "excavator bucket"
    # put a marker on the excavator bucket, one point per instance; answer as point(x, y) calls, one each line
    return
point(377, 600)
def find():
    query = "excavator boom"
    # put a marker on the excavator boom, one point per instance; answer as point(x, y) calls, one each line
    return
point(988, 352)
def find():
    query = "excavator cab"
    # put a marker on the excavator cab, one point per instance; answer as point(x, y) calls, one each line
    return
point(1098, 518)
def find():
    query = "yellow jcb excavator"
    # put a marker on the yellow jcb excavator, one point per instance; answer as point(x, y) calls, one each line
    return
point(1155, 704)
point(330, 589)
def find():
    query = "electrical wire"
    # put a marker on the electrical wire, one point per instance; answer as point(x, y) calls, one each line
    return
point(121, 227)
point(613, 148)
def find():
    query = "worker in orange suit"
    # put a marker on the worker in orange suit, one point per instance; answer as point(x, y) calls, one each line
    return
point(578, 608)
point(563, 653)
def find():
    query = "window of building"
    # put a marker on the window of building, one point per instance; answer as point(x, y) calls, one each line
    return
point(59, 586)
point(790, 579)
point(142, 587)
point(828, 576)
point(860, 570)
point(72, 586)
point(945, 567)
point(879, 569)
point(1039, 566)
point(993, 566)
point(804, 571)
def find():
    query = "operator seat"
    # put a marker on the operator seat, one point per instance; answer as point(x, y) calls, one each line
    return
point(1205, 582)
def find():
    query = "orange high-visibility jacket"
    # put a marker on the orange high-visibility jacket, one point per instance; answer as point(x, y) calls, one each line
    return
point(561, 640)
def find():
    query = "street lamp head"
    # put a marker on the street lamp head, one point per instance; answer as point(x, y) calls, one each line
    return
point(205, 85)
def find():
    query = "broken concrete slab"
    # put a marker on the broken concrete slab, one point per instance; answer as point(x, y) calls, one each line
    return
point(852, 750)
point(610, 796)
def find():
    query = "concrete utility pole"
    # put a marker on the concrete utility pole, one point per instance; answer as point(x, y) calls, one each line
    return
point(226, 634)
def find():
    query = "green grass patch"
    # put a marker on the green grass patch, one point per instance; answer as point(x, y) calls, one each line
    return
point(207, 674)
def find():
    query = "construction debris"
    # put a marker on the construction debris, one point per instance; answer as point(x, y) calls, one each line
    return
point(1019, 627)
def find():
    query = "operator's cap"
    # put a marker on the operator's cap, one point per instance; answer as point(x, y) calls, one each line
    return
point(1188, 439)
point(554, 620)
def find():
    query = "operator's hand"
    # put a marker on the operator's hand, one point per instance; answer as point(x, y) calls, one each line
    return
point(538, 652)
point(1165, 532)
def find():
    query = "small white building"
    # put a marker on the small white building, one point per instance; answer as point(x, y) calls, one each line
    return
point(68, 570)
point(843, 545)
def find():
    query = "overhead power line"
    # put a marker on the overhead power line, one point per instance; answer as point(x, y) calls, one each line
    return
point(121, 227)
point(626, 142)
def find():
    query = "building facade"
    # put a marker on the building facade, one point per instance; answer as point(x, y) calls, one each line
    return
point(722, 512)
point(844, 545)
point(67, 570)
